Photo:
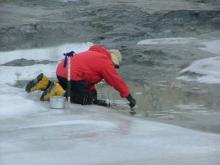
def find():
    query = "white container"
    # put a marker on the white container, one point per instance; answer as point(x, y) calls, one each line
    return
point(57, 102)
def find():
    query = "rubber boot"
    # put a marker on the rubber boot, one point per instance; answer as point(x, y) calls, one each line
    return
point(55, 89)
point(41, 82)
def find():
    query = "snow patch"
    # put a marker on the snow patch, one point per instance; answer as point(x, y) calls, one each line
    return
point(209, 69)
point(212, 46)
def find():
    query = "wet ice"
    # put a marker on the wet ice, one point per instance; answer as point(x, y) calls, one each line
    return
point(32, 132)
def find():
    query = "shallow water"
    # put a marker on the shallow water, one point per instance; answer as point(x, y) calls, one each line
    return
point(190, 105)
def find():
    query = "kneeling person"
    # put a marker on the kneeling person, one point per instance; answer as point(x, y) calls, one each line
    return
point(87, 69)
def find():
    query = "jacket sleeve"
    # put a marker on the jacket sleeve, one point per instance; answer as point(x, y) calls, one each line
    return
point(111, 77)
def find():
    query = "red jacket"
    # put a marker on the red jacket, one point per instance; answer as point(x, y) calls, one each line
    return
point(92, 66)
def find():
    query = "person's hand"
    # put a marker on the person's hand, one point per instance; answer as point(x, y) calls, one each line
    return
point(132, 101)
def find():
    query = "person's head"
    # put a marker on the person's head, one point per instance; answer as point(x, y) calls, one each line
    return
point(116, 57)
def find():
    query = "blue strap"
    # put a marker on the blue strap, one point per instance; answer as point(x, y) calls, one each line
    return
point(68, 54)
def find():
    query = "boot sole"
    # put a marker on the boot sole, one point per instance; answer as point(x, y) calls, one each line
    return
point(47, 91)
point(33, 82)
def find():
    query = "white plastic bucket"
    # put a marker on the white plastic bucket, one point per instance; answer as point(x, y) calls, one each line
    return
point(57, 102)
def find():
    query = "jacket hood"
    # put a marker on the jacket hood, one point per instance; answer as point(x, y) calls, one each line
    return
point(100, 49)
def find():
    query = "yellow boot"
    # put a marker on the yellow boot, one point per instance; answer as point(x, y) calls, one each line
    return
point(55, 89)
point(41, 82)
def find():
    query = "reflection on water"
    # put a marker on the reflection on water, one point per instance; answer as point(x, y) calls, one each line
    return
point(186, 104)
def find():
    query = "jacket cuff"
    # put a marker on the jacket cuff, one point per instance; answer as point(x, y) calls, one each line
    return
point(129, 97)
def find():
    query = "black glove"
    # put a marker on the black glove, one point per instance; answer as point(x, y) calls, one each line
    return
point(132, 101)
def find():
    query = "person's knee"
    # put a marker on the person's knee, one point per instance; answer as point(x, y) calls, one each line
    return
point(81, 99)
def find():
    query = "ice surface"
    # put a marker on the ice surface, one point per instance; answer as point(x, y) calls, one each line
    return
point(51, 53)
point(32, 133)
point(208, 68)
point(93, 135)
point(14, 103)
point(212, 46)
point(9, 74)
